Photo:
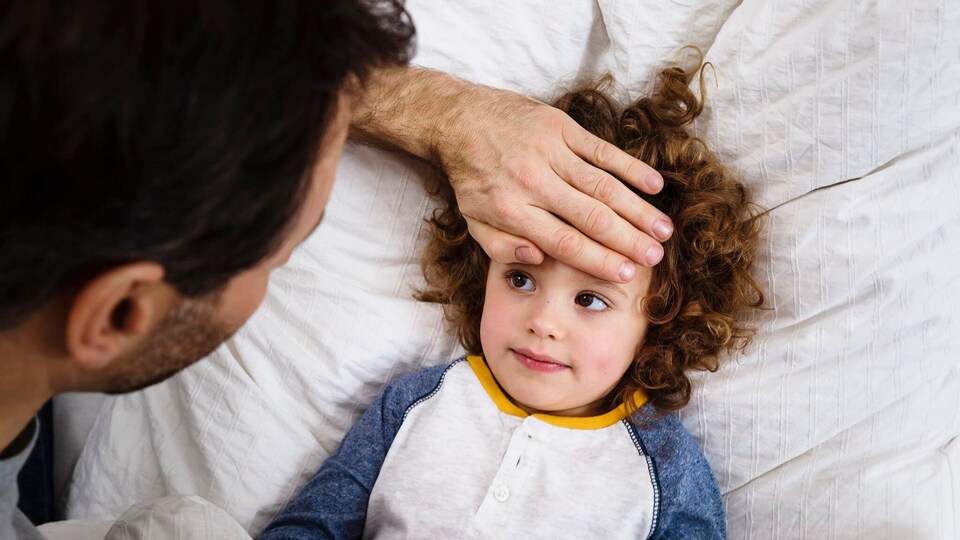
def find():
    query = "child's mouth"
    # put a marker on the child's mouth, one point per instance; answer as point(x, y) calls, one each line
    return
point(537, 362)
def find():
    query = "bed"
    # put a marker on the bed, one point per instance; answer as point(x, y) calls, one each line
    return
point(840, 421)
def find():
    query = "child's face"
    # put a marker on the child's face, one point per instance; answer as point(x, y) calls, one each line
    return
point(557, 339)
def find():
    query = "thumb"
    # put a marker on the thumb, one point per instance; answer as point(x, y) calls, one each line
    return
point(503, 247)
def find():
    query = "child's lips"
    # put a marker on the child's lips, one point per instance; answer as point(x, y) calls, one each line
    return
point(537, 362)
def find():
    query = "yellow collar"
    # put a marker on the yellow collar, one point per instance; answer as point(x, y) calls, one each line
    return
point(503, 403)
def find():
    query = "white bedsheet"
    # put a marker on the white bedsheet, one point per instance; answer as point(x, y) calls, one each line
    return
point(839, 422)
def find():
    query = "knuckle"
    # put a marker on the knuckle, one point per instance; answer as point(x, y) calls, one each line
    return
point(643, 213)
point(553, 118)
point(611, 263)
point(503, 206)
point(605, 189)
point(491, 243)
point(639, 245)
point(541, 144)
point(598, 219)
point(631, 170)
point(569, 243)
point(601, 153)
point(497, 250)
point(524, 174)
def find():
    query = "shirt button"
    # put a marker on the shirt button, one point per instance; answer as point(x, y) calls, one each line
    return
point(501, 493)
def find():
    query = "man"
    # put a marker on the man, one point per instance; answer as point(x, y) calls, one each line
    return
point(161, 160)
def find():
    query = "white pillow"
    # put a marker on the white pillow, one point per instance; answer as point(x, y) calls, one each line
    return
point(841, 420)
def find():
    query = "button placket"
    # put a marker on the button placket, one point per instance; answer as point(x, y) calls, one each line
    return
point(503, 485)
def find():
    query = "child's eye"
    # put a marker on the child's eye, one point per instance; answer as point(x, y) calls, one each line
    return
point(521, 281)
point(591, 302)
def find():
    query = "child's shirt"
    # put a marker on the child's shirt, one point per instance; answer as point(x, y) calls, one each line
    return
point(443, 453)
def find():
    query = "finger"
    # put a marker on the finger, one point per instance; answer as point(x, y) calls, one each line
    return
point(611, 159)
point(606, 189)
point(503, 247)
point(597, 221)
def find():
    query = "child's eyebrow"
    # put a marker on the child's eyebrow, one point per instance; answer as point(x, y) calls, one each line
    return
point(608, 285)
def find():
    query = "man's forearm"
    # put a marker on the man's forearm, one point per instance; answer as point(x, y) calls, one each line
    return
point(416, 110)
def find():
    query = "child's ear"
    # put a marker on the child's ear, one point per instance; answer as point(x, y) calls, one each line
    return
point(114, 311)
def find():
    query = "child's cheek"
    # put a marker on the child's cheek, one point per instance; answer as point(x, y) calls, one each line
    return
point(610, 354)
point(492, 332)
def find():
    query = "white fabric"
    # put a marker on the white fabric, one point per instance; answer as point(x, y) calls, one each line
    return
point(77, 529)
point(839, 422)
point(178, 517)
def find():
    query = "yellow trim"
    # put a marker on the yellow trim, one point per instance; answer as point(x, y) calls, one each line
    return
point(507, 406)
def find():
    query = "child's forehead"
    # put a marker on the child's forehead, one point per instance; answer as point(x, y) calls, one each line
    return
point(565, 273)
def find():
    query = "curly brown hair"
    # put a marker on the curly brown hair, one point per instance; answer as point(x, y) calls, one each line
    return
point(703, 282)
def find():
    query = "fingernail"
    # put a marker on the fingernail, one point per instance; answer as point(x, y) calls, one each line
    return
point(654, 254)
point(654, 182)
point(663, 229)
point(627, 271)
point(524, 255)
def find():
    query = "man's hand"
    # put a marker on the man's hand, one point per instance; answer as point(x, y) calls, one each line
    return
point(528, 179)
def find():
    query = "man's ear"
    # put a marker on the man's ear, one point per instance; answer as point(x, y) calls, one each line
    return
point(114, 311)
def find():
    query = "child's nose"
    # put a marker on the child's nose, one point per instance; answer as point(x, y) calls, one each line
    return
point(544, 321)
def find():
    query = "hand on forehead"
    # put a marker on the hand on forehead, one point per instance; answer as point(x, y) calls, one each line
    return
point(552, 188)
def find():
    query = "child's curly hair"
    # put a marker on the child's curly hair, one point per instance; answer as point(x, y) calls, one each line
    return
point(703, 281)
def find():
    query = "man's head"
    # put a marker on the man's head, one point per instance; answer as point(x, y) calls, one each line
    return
point(161, 158)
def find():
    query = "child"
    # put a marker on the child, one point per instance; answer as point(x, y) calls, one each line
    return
point(556, 425)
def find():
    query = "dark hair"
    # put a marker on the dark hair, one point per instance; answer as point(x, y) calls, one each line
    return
point(703, 283)
point(177, 132)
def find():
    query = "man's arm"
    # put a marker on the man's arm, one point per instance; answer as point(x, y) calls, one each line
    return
point(529, 180)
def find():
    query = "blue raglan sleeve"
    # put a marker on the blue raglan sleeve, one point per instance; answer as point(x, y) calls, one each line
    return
point(689, 504)
point(334, 503)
